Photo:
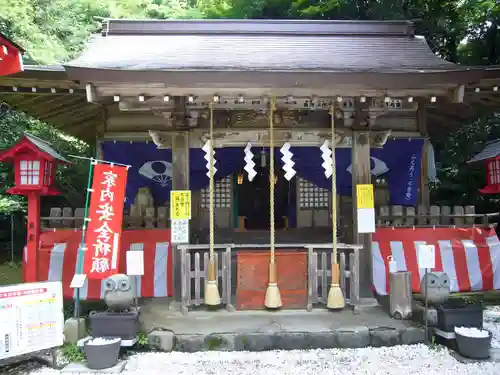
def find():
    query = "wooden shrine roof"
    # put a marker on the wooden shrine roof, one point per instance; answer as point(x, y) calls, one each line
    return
point(220, 45)
point(268, 54)
point(491, 150)
point(46, 93)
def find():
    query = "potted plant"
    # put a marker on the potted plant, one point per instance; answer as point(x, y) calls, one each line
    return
point(459, 312)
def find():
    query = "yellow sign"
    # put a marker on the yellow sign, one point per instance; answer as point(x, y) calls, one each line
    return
point(180, 204)
point(364, 195)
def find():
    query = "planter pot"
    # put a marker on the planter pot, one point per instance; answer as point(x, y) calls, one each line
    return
point(102, 356)
point(456, 314)
point(473, 347)
point(111, 324)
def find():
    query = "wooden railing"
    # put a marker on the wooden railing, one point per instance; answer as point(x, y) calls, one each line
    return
point(67, 217)
point(438, 216)
point(194, 265)
point(320, 272)
point(158, 217)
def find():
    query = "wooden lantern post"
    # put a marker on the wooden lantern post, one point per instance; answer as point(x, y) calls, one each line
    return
point(34, 167)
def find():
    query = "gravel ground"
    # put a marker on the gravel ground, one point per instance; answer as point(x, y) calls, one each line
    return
point(398, 360)
point(492, 323)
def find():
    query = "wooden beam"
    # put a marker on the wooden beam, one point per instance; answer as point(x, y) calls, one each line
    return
point(64, 105)
point(159, 90)
point(457, 94)
point(38, 90)
point(91, 93)
point(424, 171)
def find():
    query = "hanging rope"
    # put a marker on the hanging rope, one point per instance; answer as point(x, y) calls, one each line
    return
point(335, 295)
point(211, 186)
point(272, 108)
point(273, 298)
point(334, 186)
point(212, 297)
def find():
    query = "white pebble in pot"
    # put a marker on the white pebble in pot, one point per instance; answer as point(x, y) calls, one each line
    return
point(472, 332)
point(102, 341)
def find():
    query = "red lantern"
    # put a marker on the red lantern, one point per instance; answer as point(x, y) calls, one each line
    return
point(34, 166)
point(492, 176)
point(11, 59)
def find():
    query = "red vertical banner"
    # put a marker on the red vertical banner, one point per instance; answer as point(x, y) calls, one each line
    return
point(104, 227)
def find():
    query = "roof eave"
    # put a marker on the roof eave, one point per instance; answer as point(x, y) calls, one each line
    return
point(49, 72)
point(280, 78)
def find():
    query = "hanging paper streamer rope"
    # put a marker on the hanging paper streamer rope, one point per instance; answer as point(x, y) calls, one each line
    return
point(288, 163)
point(207, 148)
point(250, 164)
point(327, 158)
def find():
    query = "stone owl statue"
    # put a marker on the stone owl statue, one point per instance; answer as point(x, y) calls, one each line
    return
point(119, 294)
point(438, 287)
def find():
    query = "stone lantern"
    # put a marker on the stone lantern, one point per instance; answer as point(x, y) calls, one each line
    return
point(34, 167)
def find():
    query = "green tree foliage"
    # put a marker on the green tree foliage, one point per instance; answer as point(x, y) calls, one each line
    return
point(70, 178)
point(53, 31)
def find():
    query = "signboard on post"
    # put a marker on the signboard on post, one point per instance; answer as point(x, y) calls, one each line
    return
point(426, 256)
point(135, 262)
point(104, 227)
point(180, 205)
point(365, 208)
point(180, 231)
point(31, 318)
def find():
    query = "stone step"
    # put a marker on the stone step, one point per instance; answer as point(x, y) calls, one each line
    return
point(276, 330)
point(361, 337)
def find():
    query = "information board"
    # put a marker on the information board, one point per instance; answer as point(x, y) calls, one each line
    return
point(31, 318)
point(426, 256)
point(180, 204)
point(180, 231)
point(364, 196)
point(365, 208)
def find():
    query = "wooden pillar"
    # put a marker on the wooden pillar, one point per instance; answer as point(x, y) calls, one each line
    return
point(180, 181)
point(361, 174)
point(180, 161)
point(424, 194)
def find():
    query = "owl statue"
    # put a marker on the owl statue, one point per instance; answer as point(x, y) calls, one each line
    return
point(438, 287)
point(118, 294)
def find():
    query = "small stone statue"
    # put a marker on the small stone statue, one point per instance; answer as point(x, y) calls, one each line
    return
point(143, 200)
point(438, 287)
point(119, 294)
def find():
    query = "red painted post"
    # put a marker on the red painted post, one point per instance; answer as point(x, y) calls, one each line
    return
point(33, 237)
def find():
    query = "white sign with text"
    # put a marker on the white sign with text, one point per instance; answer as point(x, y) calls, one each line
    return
point(180, 231)
point(31, 318)
point(426, 256)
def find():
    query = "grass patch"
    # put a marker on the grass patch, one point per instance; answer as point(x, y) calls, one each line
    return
point(10, 273)
point(72, 353)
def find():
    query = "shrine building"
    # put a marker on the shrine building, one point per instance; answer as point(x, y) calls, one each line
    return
point(145, 92)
